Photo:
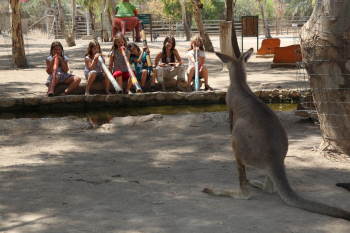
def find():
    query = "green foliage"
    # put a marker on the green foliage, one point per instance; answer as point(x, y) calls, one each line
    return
point(269, 9)
point(34, 8)
point(212, 9)
point(246, 7)
point(172, 9)
point(297, 8)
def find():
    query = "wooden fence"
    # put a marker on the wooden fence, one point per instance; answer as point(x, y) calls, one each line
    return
point(161, 27)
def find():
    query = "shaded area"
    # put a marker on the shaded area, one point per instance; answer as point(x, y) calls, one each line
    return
point(344, 185)
point(137, 111)
point(145, 174)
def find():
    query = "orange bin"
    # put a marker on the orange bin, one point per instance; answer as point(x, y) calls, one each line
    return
point(289, 54)
point(268, 46)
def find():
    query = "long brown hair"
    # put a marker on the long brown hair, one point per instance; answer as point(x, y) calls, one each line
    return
point(172, 56)
point(199, 39)
point(92, 44)
point(53, 45)
point(118, 37)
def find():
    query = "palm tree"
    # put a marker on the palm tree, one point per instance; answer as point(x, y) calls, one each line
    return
point(18, 53)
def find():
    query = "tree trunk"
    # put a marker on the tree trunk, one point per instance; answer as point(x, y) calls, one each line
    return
point(231, 33)
point(107, 25)
point(62, 25)
point(18, 54)
point(279, 13)
point(185, 22)
point(198, 18)
point(226, 32)
point(325, 43)
point(92, 19)
point(234, 39)
point(111, 12)
point(229, 10)
point(72, 34)
point(48, 20)
point(266, 24)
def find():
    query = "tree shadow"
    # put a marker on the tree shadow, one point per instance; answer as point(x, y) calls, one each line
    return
point(144, 175)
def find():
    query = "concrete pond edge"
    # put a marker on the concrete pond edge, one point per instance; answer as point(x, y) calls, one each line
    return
point(83, 103)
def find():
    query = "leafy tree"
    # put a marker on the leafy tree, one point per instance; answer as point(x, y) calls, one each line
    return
point(212, 9)
point(246, 7)
point(298, 8)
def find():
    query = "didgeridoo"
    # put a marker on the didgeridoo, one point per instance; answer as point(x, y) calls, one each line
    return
point(131, 72)
point(144, 41)
point(109, 75)
point(52, 84)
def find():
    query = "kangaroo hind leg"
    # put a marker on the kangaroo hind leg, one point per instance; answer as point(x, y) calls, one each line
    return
point(266, 185)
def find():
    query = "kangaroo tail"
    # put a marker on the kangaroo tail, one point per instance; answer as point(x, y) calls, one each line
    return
point(287, 194)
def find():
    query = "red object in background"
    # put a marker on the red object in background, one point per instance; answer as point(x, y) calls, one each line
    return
point(268, 46)
point(289, 54)
point(126, 24)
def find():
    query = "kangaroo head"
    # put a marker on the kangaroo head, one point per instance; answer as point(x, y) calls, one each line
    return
point(236, 66)
point(232, 61)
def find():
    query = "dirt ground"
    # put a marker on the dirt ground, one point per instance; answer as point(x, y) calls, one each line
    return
point(144, 174)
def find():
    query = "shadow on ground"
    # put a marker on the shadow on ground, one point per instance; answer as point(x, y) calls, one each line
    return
point(135, 175)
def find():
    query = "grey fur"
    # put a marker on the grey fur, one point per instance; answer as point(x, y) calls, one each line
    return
point(259, 140)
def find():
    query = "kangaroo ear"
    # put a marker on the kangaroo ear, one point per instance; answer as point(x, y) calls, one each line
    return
point(224, 58)
point(246, 55)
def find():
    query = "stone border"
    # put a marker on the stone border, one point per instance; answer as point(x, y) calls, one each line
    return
point(82, 103)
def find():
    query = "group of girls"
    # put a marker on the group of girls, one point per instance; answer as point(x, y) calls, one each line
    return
point(168, 65)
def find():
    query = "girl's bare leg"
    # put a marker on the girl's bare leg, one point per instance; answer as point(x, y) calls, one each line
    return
point(205, 75)
point(189, 78)
point(120, 81)
point(52, 85)
point(91, 79)
point(144, 78)
point(107, 84)
point(73, 83)
point(128, 86)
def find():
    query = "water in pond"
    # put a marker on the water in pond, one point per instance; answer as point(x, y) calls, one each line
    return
point(101, 117)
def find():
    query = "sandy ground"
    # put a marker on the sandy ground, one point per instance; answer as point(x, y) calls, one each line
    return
point(144, 174)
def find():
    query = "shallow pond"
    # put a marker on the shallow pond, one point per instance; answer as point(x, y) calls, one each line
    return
point(132, 111)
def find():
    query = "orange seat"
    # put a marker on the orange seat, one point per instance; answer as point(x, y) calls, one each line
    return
point(289, 54)
point(268, 46)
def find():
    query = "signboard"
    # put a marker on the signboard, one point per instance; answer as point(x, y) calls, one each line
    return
point(145, 18)
point(250, 26)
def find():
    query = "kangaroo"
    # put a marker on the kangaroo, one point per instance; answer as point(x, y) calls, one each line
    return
point(259, 140)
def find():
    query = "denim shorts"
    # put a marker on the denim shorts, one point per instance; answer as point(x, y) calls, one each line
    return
point(99, 75)
point(62, 76)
